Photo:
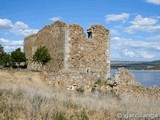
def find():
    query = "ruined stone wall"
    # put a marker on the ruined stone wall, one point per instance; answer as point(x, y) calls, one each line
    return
point(71, 49)
point(51, 36)
point(90, 55)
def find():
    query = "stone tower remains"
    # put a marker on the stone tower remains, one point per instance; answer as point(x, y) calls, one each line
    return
point(70, 48)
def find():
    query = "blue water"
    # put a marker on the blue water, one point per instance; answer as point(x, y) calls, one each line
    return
point(145, 77)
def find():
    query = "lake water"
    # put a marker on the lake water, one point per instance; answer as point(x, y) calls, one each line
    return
point(145, 77)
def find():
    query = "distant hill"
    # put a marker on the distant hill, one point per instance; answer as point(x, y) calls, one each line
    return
point(157, 62)
point(137, 65)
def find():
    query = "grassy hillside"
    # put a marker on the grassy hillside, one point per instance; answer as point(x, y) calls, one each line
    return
point(27, 96)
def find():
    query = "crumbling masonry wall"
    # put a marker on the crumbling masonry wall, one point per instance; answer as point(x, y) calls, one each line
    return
point(72, 49)
point(89, 55)
point(51, 36)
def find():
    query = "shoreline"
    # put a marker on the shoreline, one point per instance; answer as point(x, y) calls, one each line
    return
point(139, 77)
point(139, 70)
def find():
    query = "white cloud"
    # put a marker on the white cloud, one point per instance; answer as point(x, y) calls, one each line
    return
point(116, 39)
point(114, 32)
point(126, 52)
point(22, 29)
point(17, 42)
point(157, 37)
point(158, 17)
point(5, 24)
point(145, 54)
point(139, 20)
point(156, 2)
point(55, 19)
point(117, 17)
point(143, 24)
point(137, 50)
point(11, 48)
point(10, 45)
point(20, 25)
point(2, 40)
point(19, 28)
point(24, 32)
point(119, 43)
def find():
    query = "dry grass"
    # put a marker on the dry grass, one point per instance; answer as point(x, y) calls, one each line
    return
point(26, 96)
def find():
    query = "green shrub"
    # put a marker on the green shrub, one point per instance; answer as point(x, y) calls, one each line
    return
point(100, 82)
point(59, 116)
point(41, 55)
point(80, 90)
point(93, 89)
point(18, 57)
point(45, 116)
point(83, 115)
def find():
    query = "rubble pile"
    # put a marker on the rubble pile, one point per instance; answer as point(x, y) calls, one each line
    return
point(71, 80)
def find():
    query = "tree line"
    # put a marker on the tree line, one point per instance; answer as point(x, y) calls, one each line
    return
point(17, 58)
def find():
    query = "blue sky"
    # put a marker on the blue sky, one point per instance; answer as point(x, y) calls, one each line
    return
point(134, 25)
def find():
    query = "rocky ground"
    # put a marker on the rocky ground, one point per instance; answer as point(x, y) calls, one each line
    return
point(122, 82)
point(75, 96)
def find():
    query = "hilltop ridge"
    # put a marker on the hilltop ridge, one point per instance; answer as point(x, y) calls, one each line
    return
point(137, 65)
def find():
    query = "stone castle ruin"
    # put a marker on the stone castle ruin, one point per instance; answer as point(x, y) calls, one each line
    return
point(71, 49)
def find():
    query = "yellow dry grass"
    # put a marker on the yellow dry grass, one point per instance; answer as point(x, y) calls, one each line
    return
point(25, 95)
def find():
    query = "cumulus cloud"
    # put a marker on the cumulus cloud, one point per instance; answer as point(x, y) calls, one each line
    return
point(5, 24)
point(19, 28)
point(17, 42)
point(116, 39)
point(145, 54)
point(20, 25)
point(156, 2)
point(10, 45)
point(118, 43)
point(117, 17)
point(158, 17)
point(114, 32)
point(126, 52)
point(143, 24)
point(135, 49)
point(9, 49)
point(156, 37)
point(55, 18)
point(139, 20)
point(2, 40)
point(22, 29)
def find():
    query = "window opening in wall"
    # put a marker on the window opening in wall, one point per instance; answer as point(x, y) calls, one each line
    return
point(87, 70)
point(89, 34)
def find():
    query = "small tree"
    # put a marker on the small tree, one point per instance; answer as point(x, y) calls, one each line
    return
point(18, 56)
point(5, 58)
point(42, 55)
point(1, 48)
